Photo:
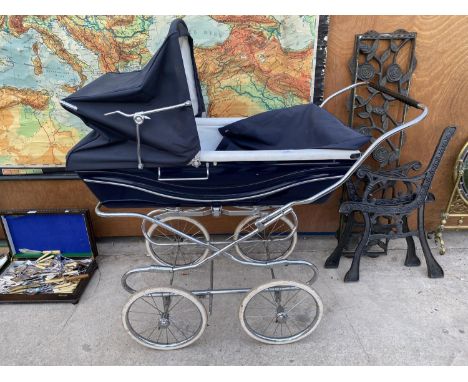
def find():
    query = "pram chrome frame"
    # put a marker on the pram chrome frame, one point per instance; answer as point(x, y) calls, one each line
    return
point(264, 218)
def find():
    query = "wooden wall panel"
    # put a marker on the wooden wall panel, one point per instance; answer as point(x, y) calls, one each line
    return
point(440, 81)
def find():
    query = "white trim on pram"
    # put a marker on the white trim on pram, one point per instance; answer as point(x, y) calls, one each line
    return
point(186, 53)
point(278, 155)
point(208, 132)
point(225, 200)
point(210, 138)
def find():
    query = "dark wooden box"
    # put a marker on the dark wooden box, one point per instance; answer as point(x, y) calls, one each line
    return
point(69, 231)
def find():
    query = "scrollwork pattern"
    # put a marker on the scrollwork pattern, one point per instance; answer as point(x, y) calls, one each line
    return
point(377, 58)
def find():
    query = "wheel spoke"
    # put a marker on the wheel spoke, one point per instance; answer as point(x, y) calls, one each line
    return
point(180, 330)
point(176, 255)
point(134, 311)
point(159, 336)
point(273, 298)
point(272, 230)
point(153, 306)
point(294, 324)
point(149, 328)
point(276, 328)
point(170, 331)
point(297, 304)
point(185, 226)
point(294, 321)
point(188, 310)
point(173, 306)
point(153, 331)
point(265, 315)
point(272, 303)
point(290, 298)
point(268, 325)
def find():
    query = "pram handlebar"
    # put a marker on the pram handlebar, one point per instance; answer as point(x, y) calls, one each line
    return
point(269, 219)
point(407, 100)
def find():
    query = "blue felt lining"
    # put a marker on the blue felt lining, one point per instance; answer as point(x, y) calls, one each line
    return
point(41, 232)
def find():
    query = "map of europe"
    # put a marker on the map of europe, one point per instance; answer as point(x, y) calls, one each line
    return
point(246, 64)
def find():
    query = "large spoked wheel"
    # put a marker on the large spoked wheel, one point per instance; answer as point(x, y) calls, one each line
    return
point(167, 248)
point(275, 242)
point(164, 318)
point(280, 312)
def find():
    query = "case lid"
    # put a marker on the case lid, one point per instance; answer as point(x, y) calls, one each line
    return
point(68, 231)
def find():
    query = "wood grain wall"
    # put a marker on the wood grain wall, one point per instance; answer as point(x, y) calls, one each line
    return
point(440, 81)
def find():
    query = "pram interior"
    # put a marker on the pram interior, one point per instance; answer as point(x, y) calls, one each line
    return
point(191, 172)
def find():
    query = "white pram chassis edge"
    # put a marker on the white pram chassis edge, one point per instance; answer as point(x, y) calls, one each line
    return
point(165, 332)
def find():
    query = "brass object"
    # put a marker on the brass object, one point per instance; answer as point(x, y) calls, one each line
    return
point(455, 216)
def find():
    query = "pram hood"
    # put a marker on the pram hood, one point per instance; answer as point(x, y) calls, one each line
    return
point(169, 138)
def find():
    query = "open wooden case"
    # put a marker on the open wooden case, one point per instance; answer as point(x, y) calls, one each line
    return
point(67, 231)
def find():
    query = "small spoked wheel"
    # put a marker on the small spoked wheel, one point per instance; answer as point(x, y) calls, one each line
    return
point(280, 312)
point(164, 318)
point(275, 242)
point(167, 248)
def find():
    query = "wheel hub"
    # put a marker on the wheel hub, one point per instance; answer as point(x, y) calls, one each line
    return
point(164, 322)
point(281, 317)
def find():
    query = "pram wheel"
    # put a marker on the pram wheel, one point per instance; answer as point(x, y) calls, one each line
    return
point(164, 318)
point(170, 249)
point(275, 242)
point(280, 312)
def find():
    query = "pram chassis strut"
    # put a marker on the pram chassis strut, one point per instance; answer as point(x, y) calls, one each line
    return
point(262, 217)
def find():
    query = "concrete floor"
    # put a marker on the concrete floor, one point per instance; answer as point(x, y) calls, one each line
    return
point(393, 316)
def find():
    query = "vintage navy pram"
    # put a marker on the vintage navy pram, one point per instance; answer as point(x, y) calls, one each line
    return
point(150, 146)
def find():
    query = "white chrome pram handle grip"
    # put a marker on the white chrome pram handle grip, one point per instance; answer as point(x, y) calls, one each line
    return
point(275, 215)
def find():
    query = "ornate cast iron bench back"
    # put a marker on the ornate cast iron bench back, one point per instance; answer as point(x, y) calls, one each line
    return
point(389, 60)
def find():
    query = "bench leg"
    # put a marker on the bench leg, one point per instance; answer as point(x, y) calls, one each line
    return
point(412, 260)
point(333, 261)
point(434, 270)
point(353, 273)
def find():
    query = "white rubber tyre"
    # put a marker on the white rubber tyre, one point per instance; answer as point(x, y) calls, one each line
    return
point(174, 292)
point(286, 339)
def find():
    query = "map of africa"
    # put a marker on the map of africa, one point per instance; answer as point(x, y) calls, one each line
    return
point(246, 64)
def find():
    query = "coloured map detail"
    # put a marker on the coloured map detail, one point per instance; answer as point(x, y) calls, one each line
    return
point(246, 64)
